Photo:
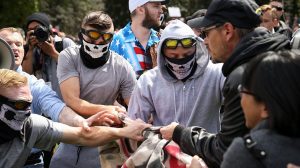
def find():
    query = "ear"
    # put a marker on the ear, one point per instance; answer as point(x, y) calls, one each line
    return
point(228, 31)
point(276, 22)
point(264, 111)
point(140, 9)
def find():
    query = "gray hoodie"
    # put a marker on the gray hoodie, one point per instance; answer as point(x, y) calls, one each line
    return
point(194, 102)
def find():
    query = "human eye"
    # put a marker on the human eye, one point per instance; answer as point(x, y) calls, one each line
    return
point(19, 44)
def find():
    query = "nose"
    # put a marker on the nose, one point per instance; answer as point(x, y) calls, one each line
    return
point(99, 41)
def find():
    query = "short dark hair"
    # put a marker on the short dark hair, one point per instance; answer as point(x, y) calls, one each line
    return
point(243, 32)
point(133, 13)
point(273, 77)
point(98, 19)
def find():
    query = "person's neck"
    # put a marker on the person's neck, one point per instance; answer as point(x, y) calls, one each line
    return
point(141, 33)
point(16, 67)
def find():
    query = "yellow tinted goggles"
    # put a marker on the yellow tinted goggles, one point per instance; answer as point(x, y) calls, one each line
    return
point(185, 43)
point(95, 35)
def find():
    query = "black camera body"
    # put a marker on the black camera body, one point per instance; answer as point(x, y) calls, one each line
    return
point(41, 33)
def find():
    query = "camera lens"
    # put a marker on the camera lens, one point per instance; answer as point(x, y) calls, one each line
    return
point(41, 33)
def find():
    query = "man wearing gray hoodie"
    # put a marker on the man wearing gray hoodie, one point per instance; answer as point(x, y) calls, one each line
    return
point(185, 86)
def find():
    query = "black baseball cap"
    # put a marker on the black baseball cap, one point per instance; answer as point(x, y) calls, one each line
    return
point(195, 23)
point(240, 13)
point(198, 13)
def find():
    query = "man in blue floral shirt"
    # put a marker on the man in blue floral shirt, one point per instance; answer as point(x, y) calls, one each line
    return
point(135, 40)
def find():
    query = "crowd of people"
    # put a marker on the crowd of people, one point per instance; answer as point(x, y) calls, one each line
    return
point(220, 89)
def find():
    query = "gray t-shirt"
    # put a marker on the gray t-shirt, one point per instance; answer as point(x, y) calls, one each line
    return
point(39, 133)
point(101, 85)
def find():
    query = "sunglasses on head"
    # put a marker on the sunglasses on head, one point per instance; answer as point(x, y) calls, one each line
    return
point(95, 35)
point(15, 104)
point(185, 43)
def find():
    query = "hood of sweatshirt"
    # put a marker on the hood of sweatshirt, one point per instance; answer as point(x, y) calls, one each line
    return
point(254, 43)
point(176, 29)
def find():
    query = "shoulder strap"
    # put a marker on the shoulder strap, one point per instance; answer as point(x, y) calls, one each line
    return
point(251, 145)
point(59, 45)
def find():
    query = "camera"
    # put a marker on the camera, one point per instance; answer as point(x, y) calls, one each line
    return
point(41, 33)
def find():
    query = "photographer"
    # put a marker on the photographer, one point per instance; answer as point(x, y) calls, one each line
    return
point(42, 50)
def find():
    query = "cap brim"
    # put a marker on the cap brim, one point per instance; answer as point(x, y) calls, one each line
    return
point(205, 23)
point(195, 23)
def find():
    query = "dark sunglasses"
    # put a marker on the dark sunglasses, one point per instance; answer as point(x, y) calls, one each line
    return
point(185, 43)
point(95, 35)
point(205, 31)
point(15, 104)
point(278, 8)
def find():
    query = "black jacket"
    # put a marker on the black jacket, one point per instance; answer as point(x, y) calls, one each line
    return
point(284, 29)
point(211, 147)
point(278, 150)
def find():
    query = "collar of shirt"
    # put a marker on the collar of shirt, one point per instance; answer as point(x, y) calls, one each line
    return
point(129, 36)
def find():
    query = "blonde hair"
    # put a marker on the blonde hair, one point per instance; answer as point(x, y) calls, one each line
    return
point(10, 78)
point(12, 30)
point(267, 8)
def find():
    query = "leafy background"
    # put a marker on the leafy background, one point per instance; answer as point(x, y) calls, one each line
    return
point(67, 14)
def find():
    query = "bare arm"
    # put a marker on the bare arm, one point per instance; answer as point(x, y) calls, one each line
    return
point(100, 135)
point(69, 117)
point(27, 63)
point(70, 90)
point(48, 48)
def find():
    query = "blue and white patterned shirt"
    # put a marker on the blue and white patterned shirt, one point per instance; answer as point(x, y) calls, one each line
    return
point(45, 100)
point(127, 45)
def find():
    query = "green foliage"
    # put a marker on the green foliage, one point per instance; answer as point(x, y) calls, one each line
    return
point(68, 14)
point(119, 12)
point(14, 12)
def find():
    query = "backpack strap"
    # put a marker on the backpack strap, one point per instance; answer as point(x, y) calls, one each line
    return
point(251, 145)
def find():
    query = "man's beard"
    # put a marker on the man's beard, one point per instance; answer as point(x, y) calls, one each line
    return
point(149, 22)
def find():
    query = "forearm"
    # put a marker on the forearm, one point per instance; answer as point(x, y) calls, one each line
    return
point(69, 117)
point(84, 108)
point(55, 55)
point(27, 63)
point(100, 135)
point(97, 136)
